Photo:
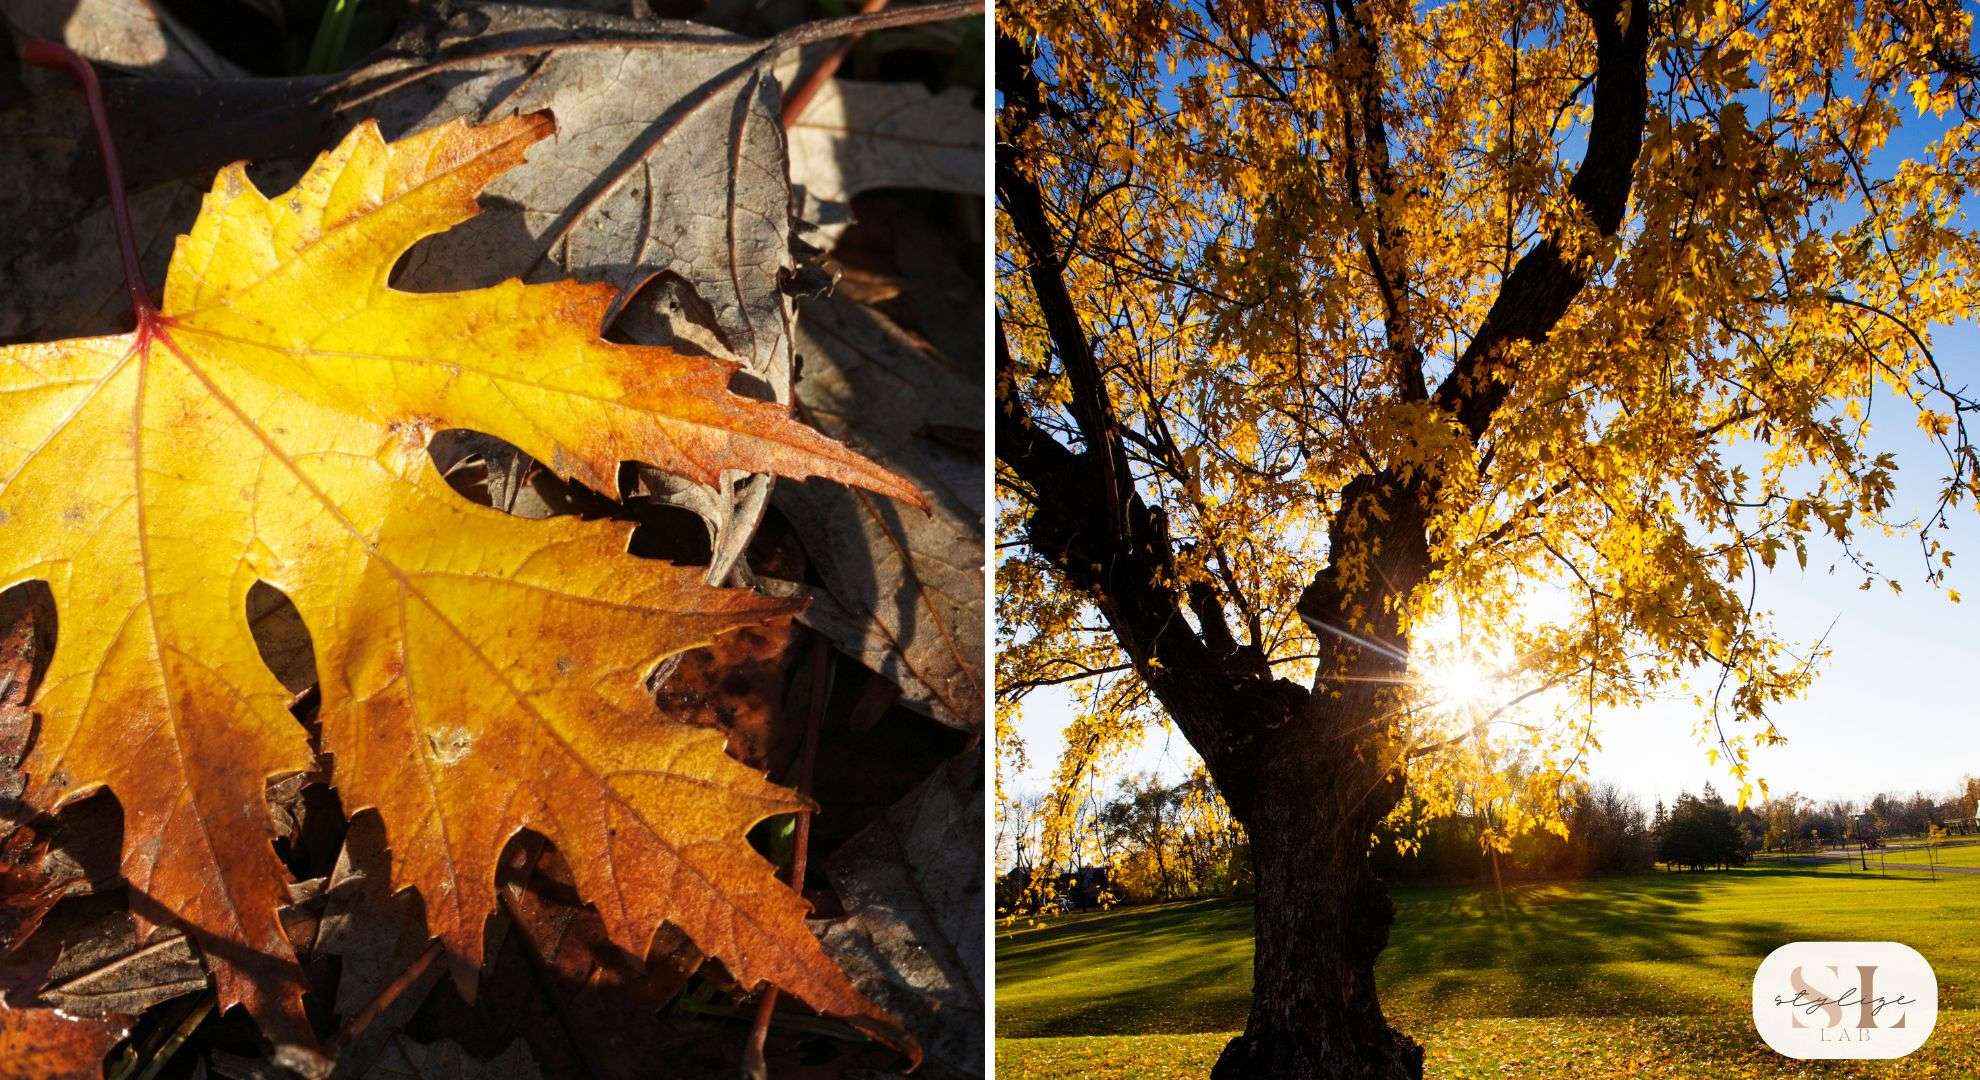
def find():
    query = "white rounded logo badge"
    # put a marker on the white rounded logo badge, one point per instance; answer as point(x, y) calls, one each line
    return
point(1845, 999)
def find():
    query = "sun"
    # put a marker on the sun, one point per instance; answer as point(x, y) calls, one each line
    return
point(1459, 684)
point(1470, 665)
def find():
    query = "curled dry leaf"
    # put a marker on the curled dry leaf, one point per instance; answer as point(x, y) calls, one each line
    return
point(912, 938)
point(903, 590)
point(479, 673)
point(855, 137)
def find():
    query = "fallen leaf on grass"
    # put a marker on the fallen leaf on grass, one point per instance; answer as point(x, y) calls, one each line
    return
point(480, 673)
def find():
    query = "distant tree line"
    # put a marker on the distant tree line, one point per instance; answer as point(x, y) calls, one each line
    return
point(1608, 832)
point(1153, 840)
point(1797, 823)
point(1605, 831)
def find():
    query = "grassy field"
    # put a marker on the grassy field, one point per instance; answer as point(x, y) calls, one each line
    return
point(1643, 976)
point(1911, 854)
point(1905, 855)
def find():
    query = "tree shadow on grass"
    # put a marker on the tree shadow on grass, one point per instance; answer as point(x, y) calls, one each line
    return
point(1554, 950)
point(1630, 946)
point(1176, 968)
point(1651, 946)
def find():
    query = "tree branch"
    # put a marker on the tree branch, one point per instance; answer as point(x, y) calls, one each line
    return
point(1024, 205)
point(1381, 242)
point(1212, 696)
point(1546, 280)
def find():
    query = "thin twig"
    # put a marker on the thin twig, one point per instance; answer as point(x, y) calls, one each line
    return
point(803, 34)
point(808, 88)
point(754, 1066)
point(48, 54)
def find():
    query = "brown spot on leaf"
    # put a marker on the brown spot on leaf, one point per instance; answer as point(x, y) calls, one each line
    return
point(738, 685)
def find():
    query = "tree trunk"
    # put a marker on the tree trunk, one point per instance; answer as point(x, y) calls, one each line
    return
point(1312, 792)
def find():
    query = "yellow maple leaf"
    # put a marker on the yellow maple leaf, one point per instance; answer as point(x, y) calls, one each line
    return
point(479, 673)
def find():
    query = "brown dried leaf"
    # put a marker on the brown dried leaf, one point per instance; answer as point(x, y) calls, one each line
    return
point(912, 937)
point(903, 589)
point(854, 137)
point(44, 1044)
point(88, 959)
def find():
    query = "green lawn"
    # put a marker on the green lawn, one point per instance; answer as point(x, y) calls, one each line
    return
point(1910, 856)
point(1567, 971)
point(1956, 852)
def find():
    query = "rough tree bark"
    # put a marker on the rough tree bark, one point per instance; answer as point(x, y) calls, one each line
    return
point(1322, 917)
point(1312, 790)
point(1309, 772)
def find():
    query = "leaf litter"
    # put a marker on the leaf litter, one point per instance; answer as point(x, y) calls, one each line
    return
point(678, 304)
